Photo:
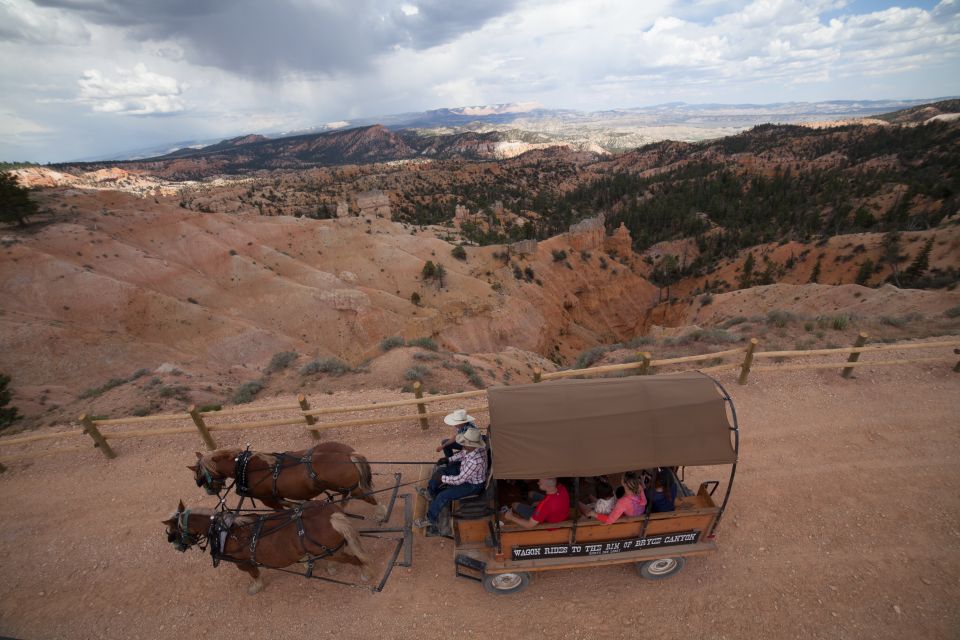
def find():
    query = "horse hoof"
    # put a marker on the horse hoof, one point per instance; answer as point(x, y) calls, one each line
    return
point(331, 570)
point(380, 513)
point(255, 588)
point(364, 576)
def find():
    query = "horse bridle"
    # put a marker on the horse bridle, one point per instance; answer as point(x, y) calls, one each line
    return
point(182, 539)
point(206, 480)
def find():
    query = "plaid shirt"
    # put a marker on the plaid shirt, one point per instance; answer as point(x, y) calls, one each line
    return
point(473, 468)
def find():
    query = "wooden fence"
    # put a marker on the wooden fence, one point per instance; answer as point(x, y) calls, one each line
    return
point(308, 416)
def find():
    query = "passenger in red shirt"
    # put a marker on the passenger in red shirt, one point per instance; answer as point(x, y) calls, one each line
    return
point(551, 506)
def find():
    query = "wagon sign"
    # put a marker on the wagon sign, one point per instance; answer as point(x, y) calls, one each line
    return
point(607, 547)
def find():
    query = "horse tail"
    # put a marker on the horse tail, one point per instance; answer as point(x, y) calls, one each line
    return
point(363, 469)
point(342, 525)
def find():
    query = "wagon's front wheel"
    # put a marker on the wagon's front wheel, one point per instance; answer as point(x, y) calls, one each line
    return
point(660, 569)
point(506, 583)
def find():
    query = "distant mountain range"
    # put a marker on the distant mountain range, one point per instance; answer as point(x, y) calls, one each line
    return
point(610, 130)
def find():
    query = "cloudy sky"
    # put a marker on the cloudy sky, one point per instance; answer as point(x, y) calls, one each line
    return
point(81, 78)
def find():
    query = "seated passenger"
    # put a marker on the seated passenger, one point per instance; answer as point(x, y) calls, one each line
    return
point(470, 480)
point(602, 502)
point(660, 495)
point(631, 502)
point(553, 505)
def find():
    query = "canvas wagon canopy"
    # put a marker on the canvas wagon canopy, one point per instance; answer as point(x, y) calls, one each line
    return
point(592, 427)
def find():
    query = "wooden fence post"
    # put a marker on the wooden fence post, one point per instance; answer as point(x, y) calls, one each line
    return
point(956, 369)
point(98, 439)
point(747, 361)
point(201, 427)
point(645, 364)
point(861, 340)
point(305, 406)
point(537, 373)
point(421, 407)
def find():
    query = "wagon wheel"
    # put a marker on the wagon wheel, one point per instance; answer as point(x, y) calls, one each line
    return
point(506, 583)
point(660, 569)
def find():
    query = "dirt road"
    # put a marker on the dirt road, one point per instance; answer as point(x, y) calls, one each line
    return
point(844, 523)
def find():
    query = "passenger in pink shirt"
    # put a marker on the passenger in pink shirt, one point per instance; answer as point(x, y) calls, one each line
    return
point(632, 503)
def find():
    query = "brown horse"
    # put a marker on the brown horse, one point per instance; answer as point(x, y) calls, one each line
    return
point(313, 531)
point(275, 478)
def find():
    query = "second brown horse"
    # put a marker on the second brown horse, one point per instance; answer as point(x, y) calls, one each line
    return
point(276, 478)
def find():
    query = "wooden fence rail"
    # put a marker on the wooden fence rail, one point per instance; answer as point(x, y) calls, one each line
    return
point(196, 421)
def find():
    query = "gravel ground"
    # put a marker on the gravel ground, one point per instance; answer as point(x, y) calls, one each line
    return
point(839, 526)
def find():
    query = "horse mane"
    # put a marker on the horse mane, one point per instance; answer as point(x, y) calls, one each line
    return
point(268, 458)
point(206, 461)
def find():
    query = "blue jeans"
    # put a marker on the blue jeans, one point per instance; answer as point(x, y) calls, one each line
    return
point(441, 498)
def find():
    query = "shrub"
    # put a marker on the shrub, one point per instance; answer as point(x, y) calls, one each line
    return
point(589, 357)
point(391, 343)
point(423, 342)
point(328, 365)
point(528, 274)
point(139, 412)
point(177, 391)
point(839, 323)
point(706, 299)
point(639, 341)
point(247, 391)
point(429, 270)
point(93, 392)
point(559, 255)
point(459, 252)
point(281, 361)
point(417, 372)
point(420, 355)
point(952, 312)
point(734, 321)
point(8, 415)
point(467, 369)
point(415, 298)
point(210, 407)
point(778, 318)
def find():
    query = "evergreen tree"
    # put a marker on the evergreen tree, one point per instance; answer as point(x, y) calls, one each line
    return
point(439, 275)
point(746, 276)
point(429, 270)
point(15, 202)
point(815, 274)
point(919, 266)
point(865, 271)
point(7, 414)
point(891, 254)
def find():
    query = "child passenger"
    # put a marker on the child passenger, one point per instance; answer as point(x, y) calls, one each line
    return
point(632, 503)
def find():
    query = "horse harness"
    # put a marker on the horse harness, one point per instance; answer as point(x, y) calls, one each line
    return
point(243, 484)
point(222, 522)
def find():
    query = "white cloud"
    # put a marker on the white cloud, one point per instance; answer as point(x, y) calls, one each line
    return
point(21, 21)
point(137, 92)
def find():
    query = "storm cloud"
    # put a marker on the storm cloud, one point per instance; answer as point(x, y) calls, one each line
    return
point(264, 39)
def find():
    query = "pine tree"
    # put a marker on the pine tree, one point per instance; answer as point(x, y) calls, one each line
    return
point(429, 270)
point(7, 414)
point(15, 202)
point(919, 266)
point(746, 277)
point(866, 270)
point(891, 254)
point(815, 274)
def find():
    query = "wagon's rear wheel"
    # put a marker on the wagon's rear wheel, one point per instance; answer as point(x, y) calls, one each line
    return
point(660, 569)
point(506, 583)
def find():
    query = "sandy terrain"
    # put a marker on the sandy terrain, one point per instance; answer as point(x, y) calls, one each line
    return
point(842, 524)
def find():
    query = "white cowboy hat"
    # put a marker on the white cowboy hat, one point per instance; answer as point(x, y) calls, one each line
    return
point(459, 416)
point(470, 438)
